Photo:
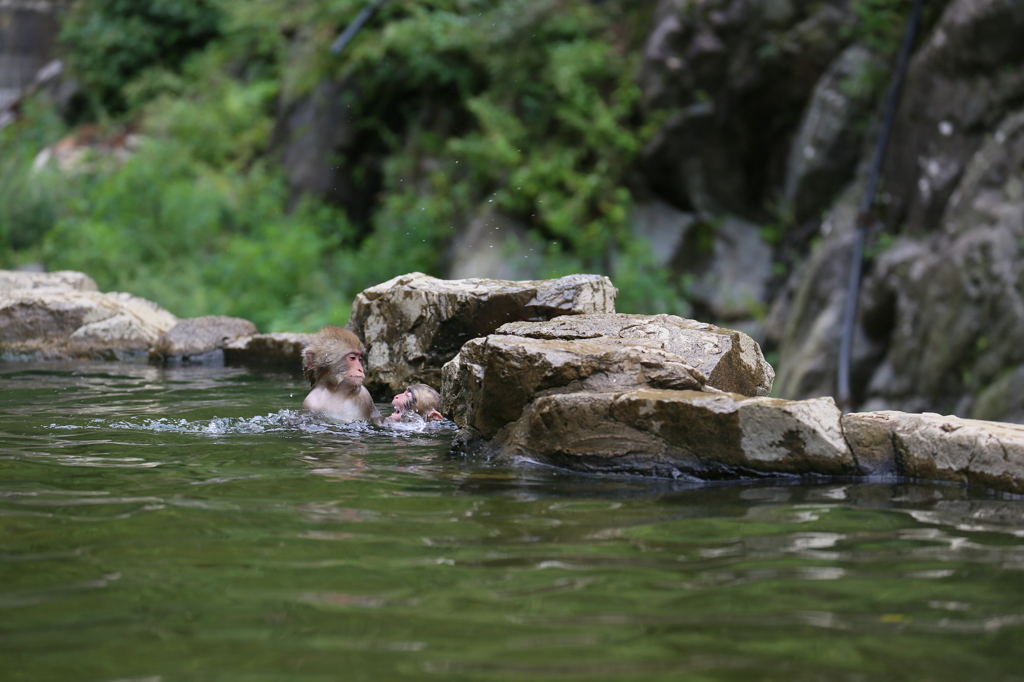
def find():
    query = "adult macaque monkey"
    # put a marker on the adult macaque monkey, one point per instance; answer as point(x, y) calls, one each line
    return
point(419, 399)
point(333, 363)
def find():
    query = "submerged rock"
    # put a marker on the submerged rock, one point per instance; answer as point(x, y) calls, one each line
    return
point(414, 323)
point(62, 316)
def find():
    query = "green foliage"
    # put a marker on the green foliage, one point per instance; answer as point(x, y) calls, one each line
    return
point(28, 200)
point(219, 120)
point(549, 92)
point(109, 42)
point(879, 244)
point(201, 241)
point(646, 288)
point(881, 23)
point(527, 106)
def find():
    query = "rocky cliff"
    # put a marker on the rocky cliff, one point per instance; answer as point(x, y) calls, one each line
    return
point(776, 106)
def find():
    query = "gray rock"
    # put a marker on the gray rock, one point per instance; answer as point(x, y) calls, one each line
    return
point(541, 390)
point(313, 132)
point(678, 434)
point(61, 316)
point(200, 339)
point(824, 152)
point(493, 246)
point(948, 306)
point(663, 226)
point(942, 448)
point(13, 280)
point(731, 281)
point(281, 348)
point(736, 76)
point(726, 264)
point(1003, 399)
point(809, 345)
point(413, 324)
point(730, 360)
point(965, 78)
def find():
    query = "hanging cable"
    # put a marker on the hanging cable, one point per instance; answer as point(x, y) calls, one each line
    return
point(866, 217)
point(350, 31)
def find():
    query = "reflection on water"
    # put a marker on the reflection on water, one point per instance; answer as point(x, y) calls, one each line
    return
point(193, 523)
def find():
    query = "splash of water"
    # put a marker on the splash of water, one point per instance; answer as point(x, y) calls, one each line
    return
point(275, 422)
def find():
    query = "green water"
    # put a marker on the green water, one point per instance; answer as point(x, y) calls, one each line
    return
point(192, 524)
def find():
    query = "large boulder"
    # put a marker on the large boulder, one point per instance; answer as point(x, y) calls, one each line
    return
point(497, 382)
point(513, 370)
point(62, 316)
point(414, 323)
point(942, 305)
point(940, 313)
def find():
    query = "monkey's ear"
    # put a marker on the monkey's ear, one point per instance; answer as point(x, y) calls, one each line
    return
point(434, 415)
point(309, 367)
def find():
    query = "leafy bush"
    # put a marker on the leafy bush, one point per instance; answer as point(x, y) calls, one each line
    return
point(524, 105)
point(881, 24)
point(29, 201)
point(108, 43)
point(546, 90)
point(200, 241)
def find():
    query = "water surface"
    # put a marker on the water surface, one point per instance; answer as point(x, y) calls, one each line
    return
point(194, 524)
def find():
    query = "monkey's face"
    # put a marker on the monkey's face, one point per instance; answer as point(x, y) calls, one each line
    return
point(352, 368)
point(404, 401)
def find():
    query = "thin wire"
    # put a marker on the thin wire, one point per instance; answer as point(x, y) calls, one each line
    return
point(350, 31)
point(865, 217)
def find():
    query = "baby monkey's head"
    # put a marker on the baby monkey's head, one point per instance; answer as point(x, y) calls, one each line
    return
point(419, 399)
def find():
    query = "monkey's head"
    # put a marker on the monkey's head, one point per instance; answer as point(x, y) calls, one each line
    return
point(333, 357)
point(419, 399)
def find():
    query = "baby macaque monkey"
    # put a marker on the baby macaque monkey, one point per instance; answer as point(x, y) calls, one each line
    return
point(419, 399)
point(333, 364)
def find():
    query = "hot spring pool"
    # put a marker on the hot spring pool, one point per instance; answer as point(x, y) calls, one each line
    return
point(193, 524)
